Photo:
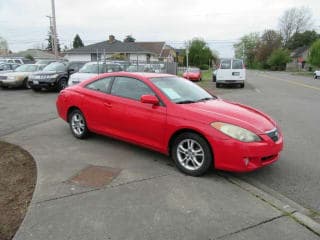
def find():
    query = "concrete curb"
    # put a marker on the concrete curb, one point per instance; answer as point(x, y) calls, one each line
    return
point(283, 204)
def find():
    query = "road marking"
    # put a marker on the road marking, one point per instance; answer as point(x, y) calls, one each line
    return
point(294, 83)
point(257, 90)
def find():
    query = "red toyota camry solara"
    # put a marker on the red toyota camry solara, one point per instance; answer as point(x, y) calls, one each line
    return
point(173, 116)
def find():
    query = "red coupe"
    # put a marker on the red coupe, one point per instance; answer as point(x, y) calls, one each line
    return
point(175, 117)
point(193, 74)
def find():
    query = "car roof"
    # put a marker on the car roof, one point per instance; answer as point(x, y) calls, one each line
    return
point(127, 74)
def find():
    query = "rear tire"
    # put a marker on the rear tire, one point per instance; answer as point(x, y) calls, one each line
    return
point(192, 154)
point(213, 78)
point(241, 85)
point(78, 124)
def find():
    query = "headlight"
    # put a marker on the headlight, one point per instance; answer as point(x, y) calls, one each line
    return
point(236, 132)
point(53, 76)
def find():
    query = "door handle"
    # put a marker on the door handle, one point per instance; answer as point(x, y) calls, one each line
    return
point(108, 105)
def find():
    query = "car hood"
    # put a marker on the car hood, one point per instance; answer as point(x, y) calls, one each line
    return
point(17, 74)
point(81, 76)
point(234, 113)
point(46, 72)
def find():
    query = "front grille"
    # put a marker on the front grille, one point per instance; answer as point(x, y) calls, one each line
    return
point(3, 77)
point(273, 134)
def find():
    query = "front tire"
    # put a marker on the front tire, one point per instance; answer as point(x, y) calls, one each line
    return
point(192, 154)
point(78, 124)
point(62, 83)
point(26, 84)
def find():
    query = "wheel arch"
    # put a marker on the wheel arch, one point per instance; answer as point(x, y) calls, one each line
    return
point(70, 109)
point(188, 130)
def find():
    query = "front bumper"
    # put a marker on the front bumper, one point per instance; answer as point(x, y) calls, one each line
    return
point(233, 155)
point(50, 83)
point(11, 83)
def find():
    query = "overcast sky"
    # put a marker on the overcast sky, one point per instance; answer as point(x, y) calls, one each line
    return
point(24, 23)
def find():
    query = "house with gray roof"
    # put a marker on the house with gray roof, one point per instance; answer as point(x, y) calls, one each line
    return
point(299, 58)
point(132, 51)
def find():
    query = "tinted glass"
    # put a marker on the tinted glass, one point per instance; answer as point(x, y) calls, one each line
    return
point(5, 67)
point(225, 64)
point(130, 88)
point(101, 85)
point(55, 66)
point(237, 64)
point(179, 89)
point(26, 68)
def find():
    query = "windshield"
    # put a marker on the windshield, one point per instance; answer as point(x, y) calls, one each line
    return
point(135, 68)
point(44, 61)
point(56, 66)
point(194, 70)
point(179, 90)
point(26, 68)
point(101, 68)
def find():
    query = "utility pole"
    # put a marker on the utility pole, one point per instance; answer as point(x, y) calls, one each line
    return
point(51, 34)
point(187, 55)
point(54, 32)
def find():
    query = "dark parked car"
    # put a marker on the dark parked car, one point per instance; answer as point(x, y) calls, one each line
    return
point(54, 76)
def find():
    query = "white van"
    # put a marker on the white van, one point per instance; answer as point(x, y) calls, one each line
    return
point(231, 71)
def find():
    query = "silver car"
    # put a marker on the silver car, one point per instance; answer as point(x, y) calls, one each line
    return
point(92, 69)
point(19, 76)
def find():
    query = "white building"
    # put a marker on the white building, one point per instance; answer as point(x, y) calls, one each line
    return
point(132, 51)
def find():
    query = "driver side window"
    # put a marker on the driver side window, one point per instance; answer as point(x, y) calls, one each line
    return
point(130, 88)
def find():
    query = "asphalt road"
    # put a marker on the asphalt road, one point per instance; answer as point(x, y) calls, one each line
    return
point(293, 101)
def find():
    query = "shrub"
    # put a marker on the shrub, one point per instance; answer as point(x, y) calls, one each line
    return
point(278, 59)
point(204, 67)
point(314, 54)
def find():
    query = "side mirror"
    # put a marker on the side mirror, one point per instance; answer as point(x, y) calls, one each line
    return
point(151, 99)
point(71, 70)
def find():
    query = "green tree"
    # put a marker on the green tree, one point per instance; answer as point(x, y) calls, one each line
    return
point(247, 48)
point(302, 39)
point(129, 38)
point(199, 52)
point(50, 43)
point(314, 54)
point(77, 42)
point(29, 56)
point(278, 59)
point(269, 42)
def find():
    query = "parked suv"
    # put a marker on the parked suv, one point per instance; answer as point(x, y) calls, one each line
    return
point(54, 76)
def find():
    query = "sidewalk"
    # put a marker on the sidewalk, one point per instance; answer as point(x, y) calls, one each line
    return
point(149, 199)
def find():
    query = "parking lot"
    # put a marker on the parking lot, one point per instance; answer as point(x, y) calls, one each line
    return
point(149, 198)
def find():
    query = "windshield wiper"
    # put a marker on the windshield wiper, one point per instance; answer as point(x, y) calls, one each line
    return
point(185, 101)
point(205, 99)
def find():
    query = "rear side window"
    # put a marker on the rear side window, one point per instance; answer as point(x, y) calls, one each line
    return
point(130, 88)
point(237, 64)
point(225, 64)
point(101, 85)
